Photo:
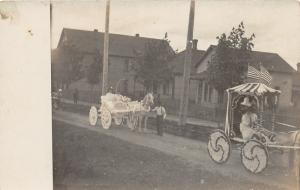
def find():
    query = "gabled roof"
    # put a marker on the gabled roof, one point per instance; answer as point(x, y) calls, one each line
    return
point(271, 61)
point(92, 41)
point(178, 61)
point(199, 76)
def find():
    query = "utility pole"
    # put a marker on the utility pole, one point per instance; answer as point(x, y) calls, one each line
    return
point(187, 68)
point(105, 51)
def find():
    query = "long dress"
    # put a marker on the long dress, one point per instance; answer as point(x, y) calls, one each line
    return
point(248, 121)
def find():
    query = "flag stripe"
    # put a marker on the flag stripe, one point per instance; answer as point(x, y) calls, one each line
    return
point(253, 73)
point(263, 74)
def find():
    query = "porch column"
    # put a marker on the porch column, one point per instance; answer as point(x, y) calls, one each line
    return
point(203, 91)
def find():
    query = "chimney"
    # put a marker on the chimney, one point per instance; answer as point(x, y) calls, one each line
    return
point(137, 35)
point(95, 30)
point(298, 67)
point(195, 42)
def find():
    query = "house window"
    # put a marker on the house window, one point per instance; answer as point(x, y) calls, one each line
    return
point(205, 92)
point(126, 65)
point(221, 97)
point(166, 88)
point(199, 98)
point(210, 90)
point(65, 39)
point(173, 88)
point(126, 86)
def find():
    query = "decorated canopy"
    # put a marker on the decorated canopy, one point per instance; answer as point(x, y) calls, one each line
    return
point(257, 89)
point(254, 89)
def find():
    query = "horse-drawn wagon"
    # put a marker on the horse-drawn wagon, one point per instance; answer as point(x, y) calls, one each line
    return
point(118, 108)
point(255, 148)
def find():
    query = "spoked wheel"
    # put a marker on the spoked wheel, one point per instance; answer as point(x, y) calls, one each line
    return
point(254, 156)
point(93, 116)
point(132, 121)
point(105, 118)
point(118, 120)
point(219, 147)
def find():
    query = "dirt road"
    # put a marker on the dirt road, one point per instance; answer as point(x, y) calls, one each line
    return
point(192, 152)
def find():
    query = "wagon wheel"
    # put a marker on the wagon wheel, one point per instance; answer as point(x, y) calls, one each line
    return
point(132, 121)
point(219, 147)
point(118, 120)
point(93, 116)
point(254, 156)
point(105, 118)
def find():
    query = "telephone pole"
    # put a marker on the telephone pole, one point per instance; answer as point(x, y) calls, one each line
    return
point(187, 68)
point(105, 51)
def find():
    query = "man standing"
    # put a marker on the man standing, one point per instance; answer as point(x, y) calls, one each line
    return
point(75, 96)
point(57, 99)
point(157, 99)
point(111, 90)
point(160, 116)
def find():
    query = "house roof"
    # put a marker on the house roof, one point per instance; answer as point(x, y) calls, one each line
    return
point(271, 61)
point(56, 59)
point(92, 41)
point(57, 56)
point(199, 76)
point(178, 61)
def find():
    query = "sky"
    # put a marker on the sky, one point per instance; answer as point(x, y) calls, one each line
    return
point(276, 23)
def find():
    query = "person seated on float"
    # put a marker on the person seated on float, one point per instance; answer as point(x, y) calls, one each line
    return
point(111, 90)
point(248, 121)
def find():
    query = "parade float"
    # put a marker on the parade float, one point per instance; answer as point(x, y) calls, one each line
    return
point(254, 151)
point(119, 109)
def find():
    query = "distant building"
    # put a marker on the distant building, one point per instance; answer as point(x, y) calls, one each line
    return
point(296, 87)
point(178, 66)
point(122, 51)
point(280, 70)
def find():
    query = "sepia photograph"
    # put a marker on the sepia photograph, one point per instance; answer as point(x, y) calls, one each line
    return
point(157, 94)
point(175, 94)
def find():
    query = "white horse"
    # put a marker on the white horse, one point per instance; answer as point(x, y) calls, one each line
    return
point(144, 112)
point(291, 139)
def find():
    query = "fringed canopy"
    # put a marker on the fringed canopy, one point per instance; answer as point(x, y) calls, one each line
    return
point(258, 89)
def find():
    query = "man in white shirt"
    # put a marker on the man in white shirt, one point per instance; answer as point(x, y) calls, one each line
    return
point(160, 116)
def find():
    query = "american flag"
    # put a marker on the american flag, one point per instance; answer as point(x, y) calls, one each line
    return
point(263, 75)
point(253, 73)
